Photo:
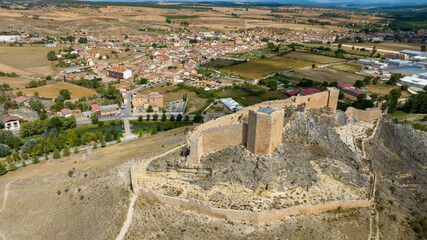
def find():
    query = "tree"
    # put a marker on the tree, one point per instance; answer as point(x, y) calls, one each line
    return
point(395, 77)
point(394, 96)
point(148, 117)
point(76, 150)
point(150, 108)
point(12, 166)
point(60, 98)
point(3, 170)
point(155, 117)
point(95, 119)
point(140, 133)
point(340, 45)
point(153, 131)
point(82, 40)
point(198, 119)
point(28, 145)
point(34, 158)
point(19, 93)
point(65, 93)
point(359, 84)
point(95, 146)
point(51, 56)
point(139, 118)
point(423, 49)
point(172, 118)
point(313, 66)
point(56, 153)
point(375, 81)
point(179, 118)
point(187, 118)
point(163, 117)
point(103, 143)
point(4, 150)
point(66, 151)
point(367, 80)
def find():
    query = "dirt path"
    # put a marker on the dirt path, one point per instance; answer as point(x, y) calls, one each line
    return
point(4, 203)
point(134, 196)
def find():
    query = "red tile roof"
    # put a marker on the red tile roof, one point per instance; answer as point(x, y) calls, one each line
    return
point(10, 118)
point(66, 111)
point(20, 99)
point(120, 68)
point(95, 107)
point(344, 85)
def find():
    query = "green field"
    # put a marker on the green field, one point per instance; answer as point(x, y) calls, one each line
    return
point(246, 99)
point(261, 68)
point(313, 57)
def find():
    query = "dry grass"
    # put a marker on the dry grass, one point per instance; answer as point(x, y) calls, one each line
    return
point(26, 60)
point(14, 82)
point(52, 90)
point(91, 204)
point(194, 102)
point(383, 89)
point(313, 57)
point(395, 46)
point(328, 75)
point(347, 67)
point(260, 68)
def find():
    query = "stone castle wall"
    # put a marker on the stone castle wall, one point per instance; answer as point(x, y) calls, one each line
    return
point(195, 138)
point(219, 138)
point(248, 216)
point(368, 115)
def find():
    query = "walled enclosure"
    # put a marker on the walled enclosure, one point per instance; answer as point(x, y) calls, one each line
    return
point(220, 133)
point(367, 115)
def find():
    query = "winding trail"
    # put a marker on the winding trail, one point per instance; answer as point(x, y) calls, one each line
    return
point(3, 237)
point(134, 196)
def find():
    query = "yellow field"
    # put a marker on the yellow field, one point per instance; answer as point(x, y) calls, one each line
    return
point(261, 68)
point(395, 46)
point(52, 90)
point(27, 60)
point(328, 75)
point(383, 89)
point(15, 82)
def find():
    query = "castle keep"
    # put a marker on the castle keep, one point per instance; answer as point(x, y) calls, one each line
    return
point(257, 127)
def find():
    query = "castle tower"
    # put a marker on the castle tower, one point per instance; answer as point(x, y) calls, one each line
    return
point(264, 130)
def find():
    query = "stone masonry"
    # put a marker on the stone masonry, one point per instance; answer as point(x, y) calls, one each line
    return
point(264, 130)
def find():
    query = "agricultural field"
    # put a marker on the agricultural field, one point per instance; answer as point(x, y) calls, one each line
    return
point(247, 99)
point(313, 57)
point(392, 46)
point(26, 60)
point(14, 83)
point(261, 68)
point(171, 93)
point(52, 90)
point(328, 75)
point(383, 89)
point(347, 67)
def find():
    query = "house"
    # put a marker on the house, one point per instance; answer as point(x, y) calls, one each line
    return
point(348, 88)
point(95, 109)
point(66, 112)
point(119, 72)
point(302, 92)
point(142, 101)
point(21, 99)
point(11, 123)
point(109, 110)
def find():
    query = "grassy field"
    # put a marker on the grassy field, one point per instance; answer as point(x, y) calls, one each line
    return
point(402, 116)
point(383, 89)
point(247, 99)
point(328, 75)
point(347, 67)
point(260, 68)
point(52, 90)
point(313, 57)
point(27, 60)
point(14, 82)
point(170, 94)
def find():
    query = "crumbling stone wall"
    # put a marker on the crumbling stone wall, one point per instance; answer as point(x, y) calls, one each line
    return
point(368, 115)
point(195, 140)
point(249, 216)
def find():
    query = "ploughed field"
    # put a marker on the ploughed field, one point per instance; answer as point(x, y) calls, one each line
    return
point(52, 90)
